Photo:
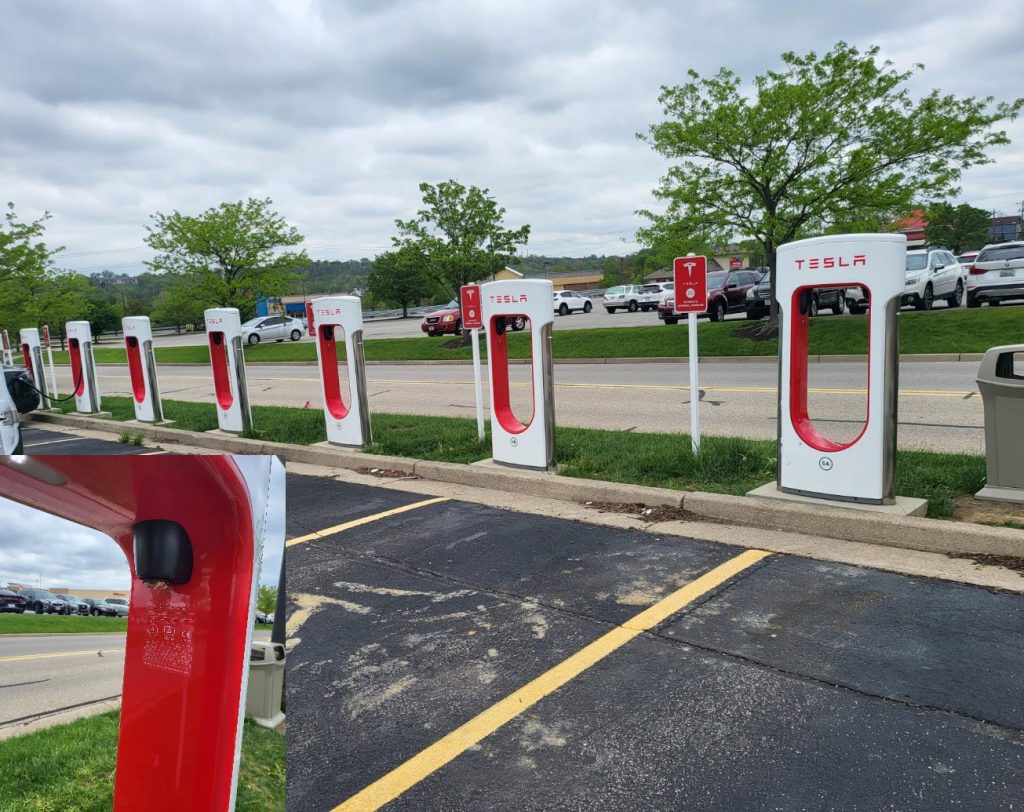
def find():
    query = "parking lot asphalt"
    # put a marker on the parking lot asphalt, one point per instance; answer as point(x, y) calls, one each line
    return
point(453, 656)
point(44, 441)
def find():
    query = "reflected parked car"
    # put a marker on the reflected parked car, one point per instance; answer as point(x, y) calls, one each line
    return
point(100, 608)
point(120, 606)
point(759, 299)
point(42, 601)
point(448, 321)
point(272, 328)
point(12, 602)
point(727, 293)
point(76, 606)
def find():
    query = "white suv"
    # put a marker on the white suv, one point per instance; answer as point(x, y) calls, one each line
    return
point(622, 297)
point(997, 274)
point(567, 301)
point(933, 273)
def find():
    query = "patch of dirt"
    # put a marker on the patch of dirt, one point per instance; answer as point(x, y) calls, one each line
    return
point(758, 331)
point(386, 473)
point(652, 514)
point(1010, 562)
point(981, 511)
point(464, 340)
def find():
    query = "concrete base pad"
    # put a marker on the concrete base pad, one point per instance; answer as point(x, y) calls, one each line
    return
point(497, 466)
point(271, 723)
point(161, 423)
point(327, 444)
point(905, 505)
point(997, 494)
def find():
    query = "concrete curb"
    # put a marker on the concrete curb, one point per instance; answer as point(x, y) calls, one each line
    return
point(928, 535)
point(721, 359)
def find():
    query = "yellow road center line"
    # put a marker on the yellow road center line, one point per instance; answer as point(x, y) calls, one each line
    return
point(93, 651)
point(330, 531)
point(387, 788)
point(767, 390)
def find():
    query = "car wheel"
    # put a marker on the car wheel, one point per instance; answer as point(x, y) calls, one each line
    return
point(20, 447)
point(671, 321)
point(753, 315)
point(610, 310)
point(957, 298)
point(19, 611)
point(972, 300)
point(587, 307)
point(253, 339)
point(718, 311)
point(296, 335)
point(633, 307)
point(927, 300)
point(458, 327)
point(518, 323)
point(814, 306)
point(563, 309)
point(858, 310)
point(994, 303)
point(839, 307)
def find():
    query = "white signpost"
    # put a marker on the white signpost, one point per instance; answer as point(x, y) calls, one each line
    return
point(472, 319)
point(691, 297)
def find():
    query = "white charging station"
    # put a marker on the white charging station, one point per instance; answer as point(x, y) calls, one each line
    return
point(32, 355)
point(224, 335)
point(348, 424)
point(83, 367)
point(809, 463)
point(138, 344)
point(512, 443)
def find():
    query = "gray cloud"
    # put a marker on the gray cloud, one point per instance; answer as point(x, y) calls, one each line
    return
point(115, 110)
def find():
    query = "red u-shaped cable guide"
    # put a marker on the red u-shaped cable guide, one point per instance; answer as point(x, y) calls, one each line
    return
point(185, 649)
point(77, 377)
point(498, 363)
point(26, 354)
point(798, 375)
point(221, 375)
point(135, 368)
point(329, 370)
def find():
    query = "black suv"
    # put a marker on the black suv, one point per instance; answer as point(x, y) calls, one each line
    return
point(759, 299)
point(43, 601)
point(98, 607)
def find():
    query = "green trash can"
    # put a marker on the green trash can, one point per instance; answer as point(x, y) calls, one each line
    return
point(1001, 381)
point(266, 683)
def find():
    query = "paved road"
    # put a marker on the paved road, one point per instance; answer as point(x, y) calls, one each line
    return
point(939, 407)
point(582, 672)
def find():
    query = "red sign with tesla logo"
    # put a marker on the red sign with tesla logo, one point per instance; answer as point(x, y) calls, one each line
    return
point(469, 302)
point(691, 284)
point(46, 335)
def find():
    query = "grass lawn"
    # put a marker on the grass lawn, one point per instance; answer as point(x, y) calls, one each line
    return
point(60, 624)
point(960, 331)
point(70, 768)
point(725, 465)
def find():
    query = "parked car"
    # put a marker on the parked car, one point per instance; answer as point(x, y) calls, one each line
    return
point(759, 299)
point(569, 301)
point(997, 274)
point(75, 605)
point(42, 601)
point(272, 328)
point(265, 617)
point(967, 258)
point(120, 606)
point(651, 294)
point(727, 293)
point(448, 321)
point(933, 273)
point(622, 297)
point(100, 608)
point(12, 602)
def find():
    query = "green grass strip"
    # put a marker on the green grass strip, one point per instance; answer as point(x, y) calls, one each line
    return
point(70, 768)
point(725, 465)
point(60, 624)
point(956, 332)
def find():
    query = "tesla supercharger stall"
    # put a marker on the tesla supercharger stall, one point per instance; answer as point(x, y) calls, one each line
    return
point(138, 344)
point(530, 445)
point(340, 318)
point(83, 367)
point(809, 463)
point(192, 529)
point(32, 355)
point(224, 334)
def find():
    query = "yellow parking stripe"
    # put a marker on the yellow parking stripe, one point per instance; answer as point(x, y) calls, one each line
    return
point(92, 651)
point(386, 789)
point(330, 531)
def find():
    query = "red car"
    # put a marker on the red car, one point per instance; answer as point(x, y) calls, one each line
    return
point(727, 293)
point(448, 321)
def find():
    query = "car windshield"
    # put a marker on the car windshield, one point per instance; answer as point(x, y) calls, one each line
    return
point(619, 289)
point(452, 305)
point(917, 262)
point(253, 322)
point(716, 280)
point(1002, 252)
point(651, 289)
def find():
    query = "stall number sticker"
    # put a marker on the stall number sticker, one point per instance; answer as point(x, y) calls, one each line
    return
point(169, 641)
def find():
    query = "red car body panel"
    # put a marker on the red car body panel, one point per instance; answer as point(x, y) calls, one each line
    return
point(434, 323)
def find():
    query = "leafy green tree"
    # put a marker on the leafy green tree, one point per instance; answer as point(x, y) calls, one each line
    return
point(821, 141)
point(400, 278)
point(178, 306)
point(103, 316)
point(459, 230)
point(958, 228)
point(266, 599)
point(227, 256)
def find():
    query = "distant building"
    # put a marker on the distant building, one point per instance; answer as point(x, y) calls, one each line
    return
point(107, 278)
point(913, 227)
point(294, 305)
point(99, 594)
point(1002, 229)
point(567, 280)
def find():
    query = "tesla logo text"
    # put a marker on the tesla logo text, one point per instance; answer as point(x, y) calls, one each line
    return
point(816, 263)
point(334, 311)
point(509, 298)
point(213, 320)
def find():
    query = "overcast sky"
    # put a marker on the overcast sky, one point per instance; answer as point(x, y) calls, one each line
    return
point(35, 545)
point(337, 110)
